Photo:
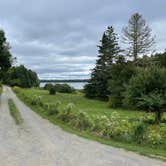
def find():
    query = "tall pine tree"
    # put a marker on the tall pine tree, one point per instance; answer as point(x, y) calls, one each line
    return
point(138, 36)
point(108, 51)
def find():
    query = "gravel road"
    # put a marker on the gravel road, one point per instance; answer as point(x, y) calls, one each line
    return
point(39, 143)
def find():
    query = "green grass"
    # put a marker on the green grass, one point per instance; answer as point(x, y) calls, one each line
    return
point(14, 112)
point(92, 107)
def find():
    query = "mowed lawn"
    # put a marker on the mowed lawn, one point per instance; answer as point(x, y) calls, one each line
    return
point(90, 106)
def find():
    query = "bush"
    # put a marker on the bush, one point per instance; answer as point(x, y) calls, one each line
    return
point(90, 90)
point(52, 109)
point(48, 86)
point(146, 90)
point(67, 114)
point(153, 135)
point(52, 91)
point(113, 127)
point(139, 132)
point(36, 100)
point(100, 123)
point(64, 88)
point(84, 122)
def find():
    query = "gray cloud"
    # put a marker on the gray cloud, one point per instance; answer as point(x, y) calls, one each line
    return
point(58, 38)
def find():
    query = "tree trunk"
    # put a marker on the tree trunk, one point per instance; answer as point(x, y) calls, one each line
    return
point(158, 117)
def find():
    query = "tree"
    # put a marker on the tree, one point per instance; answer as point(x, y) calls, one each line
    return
point(108, 51)
point(5, 55)
point(138, 35)
point(121, 72)
point(52, 91)
point(21, 76)
point(48, 86)
point(146, 90)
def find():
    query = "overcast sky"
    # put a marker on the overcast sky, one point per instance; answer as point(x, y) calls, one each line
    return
point(58, 38)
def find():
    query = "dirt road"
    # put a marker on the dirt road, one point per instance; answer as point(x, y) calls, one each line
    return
point(39, 143)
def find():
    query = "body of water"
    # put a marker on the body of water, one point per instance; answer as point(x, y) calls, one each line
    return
point(76, 85)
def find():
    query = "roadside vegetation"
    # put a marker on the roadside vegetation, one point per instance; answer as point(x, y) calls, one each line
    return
point(124, 102)
point(15, 112)
point(130, 129)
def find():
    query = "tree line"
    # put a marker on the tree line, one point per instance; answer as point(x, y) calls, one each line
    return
point(130, 77)
point(14, 75)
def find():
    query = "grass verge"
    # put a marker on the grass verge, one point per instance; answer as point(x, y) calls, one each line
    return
point(14, 112)
point(158, 153)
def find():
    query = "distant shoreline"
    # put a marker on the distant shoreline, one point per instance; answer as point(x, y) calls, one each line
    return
point(77, 80)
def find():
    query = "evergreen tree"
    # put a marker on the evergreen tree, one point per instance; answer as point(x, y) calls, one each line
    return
point(5, 55)
point(138, 35)
point(121, 72)
point(108, 51)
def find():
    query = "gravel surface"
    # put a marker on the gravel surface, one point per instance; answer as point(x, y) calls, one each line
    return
point(39, 143)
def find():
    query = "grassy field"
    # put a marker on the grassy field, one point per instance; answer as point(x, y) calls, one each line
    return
point(93, 108)
point(14, 112)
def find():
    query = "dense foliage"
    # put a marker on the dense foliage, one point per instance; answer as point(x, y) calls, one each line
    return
point(21, 76)
point(137, 82)
point(48, 86)
point(16, 75)
point(62, 88)
point(147, 91)
point(5, 55)
point(108, 52)
point(52, 91)
point(121, 72)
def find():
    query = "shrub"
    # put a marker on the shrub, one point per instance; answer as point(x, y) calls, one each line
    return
point(36, 100)
point(113, 127)
point(48, 86)
point(46, 106)
point(52, 109)
point(146, 90)
point(90, 90)
point(153, 135)
point(67, 114)
point(52, 91)
point(84, 122)
point(64, 88)
point(100, 123)
point(139, 132)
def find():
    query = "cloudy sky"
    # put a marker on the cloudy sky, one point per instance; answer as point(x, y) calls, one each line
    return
point(58, 38)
